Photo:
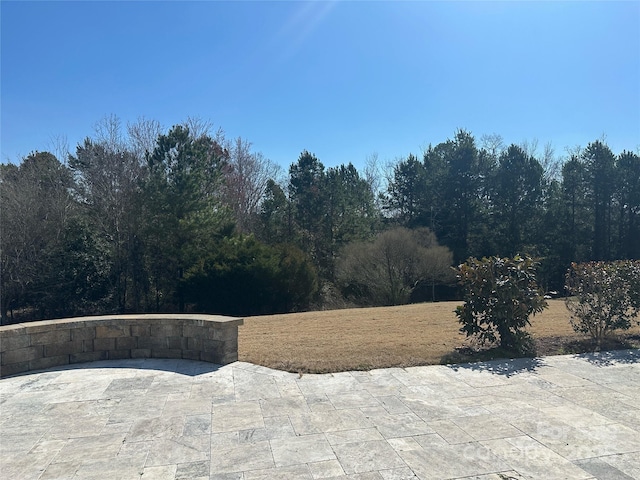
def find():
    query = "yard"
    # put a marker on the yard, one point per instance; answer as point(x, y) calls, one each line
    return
point(408, 335)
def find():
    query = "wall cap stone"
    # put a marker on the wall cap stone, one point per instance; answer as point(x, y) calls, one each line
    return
point(79, 322)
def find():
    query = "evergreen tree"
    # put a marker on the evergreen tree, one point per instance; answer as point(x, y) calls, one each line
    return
point(182, 210)
point(351, 214)
point(306, 190)
point(599, 164)
point(517, 200)
point(628, 203)
point(276, 223)
point(406, 192)
point(464, 197)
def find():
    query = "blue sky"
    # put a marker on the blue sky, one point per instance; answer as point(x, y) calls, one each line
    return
point(343, 80)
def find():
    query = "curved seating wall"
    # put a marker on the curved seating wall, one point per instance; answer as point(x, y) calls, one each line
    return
point(51, 343)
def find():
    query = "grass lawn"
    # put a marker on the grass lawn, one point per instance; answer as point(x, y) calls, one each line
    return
point(408, 335)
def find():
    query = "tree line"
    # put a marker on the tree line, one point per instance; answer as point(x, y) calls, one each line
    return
point(142, 219)
point(491, 200)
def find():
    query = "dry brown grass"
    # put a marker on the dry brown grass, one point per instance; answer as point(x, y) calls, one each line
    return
point(367, 338)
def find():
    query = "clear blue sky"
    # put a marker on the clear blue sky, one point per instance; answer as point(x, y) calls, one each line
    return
point(343, 80)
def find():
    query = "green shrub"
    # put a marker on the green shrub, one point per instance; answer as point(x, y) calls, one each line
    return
point(500, 295)
point(603, 296)
point(245, 277)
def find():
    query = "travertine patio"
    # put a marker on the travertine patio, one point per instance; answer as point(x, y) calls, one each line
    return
point(569, 417)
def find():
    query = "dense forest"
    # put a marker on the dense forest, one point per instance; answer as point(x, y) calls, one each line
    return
point(139, 219)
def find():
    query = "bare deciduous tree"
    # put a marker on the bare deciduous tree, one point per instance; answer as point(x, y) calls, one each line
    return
point(108, 131)
point(143, 135)
point(245, 181)
point(374, 176)
point(530, 147)
point(492, 143)
point(199, 127)
point(550, 163)
point(107, 181)
point(59, 146)
point(36, 207)
point(385, 271)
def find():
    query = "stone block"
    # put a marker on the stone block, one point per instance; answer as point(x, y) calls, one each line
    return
point(177, 342)
point(112, 331)
point(65, 348)
point(194, 343)
point(229, 358)
point(195, 331)
point(211, 357)
point(140, 330)
point(166, 330)
point(229, 346)
point(13, 368)
point(13, 341)
point(191, 354)
point(212, 346)
point(104, 344)
point(126, 343)
point(83, 333)
point(22, 355)
point(222, 333)
point(152, 342)
point(119, 354)
point(51, 337)
point(141, 353)
point(87, 346)
point(166, 353)
point(48, 362)
point(88, 357)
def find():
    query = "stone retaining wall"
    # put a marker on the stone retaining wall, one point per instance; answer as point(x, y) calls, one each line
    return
point(51, 343)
